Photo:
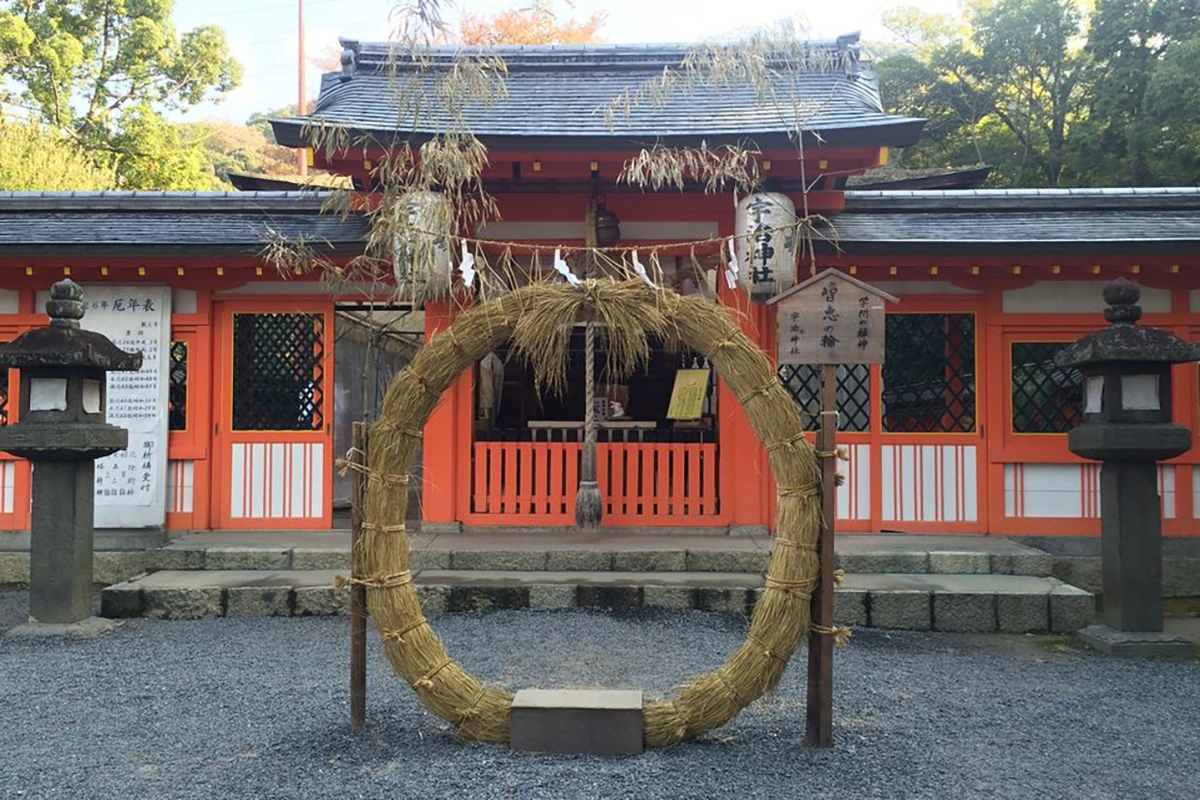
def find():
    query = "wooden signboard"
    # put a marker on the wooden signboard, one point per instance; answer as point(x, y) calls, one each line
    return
point(830, 318)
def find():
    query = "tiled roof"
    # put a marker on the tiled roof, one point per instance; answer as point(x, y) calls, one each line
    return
point(164, 222)
point(1161, 218)
point(559, 95)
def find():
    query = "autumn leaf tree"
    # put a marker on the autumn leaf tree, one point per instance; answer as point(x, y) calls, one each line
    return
point(536, 24)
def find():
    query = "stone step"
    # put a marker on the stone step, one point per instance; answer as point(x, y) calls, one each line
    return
point(914, 601)
point(616, 553)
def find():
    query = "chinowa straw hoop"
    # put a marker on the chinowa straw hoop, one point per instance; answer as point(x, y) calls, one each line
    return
point(537, 319)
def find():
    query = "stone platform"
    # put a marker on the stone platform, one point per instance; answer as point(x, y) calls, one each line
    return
point(919, 601)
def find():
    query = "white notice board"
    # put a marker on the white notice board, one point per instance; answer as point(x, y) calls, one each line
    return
point(131, 485)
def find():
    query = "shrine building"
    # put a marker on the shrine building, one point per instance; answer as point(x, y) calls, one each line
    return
point(252, 377)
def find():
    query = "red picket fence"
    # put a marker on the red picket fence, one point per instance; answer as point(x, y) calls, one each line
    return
point(534, 483)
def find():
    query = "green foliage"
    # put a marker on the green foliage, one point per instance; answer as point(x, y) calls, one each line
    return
point(226, 147)
point(1052, 92)
point(106, 71)
point(35, 158)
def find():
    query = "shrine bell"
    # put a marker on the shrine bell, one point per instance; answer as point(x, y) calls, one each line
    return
point(61, 429)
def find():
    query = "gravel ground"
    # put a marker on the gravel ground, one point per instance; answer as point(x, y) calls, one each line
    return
point(257, 708)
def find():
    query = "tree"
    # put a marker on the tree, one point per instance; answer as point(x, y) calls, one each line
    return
point(1129, 42)
point(226, 147)
point(1052, 92)
point(36, 158)
point(104, 72)
point(537, 24)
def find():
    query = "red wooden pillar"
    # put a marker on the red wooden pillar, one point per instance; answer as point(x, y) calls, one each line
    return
point(446, 454)
point(746, 486)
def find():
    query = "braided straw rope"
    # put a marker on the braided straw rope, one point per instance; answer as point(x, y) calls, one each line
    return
point(629, 310)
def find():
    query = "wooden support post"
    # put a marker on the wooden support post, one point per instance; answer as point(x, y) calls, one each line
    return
point(819, 716)
point(358, 592)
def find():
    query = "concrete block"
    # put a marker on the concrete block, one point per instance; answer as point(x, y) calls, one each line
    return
point(1080, 571)
point(247, 558)
point(749, 561)
point(167, 559)
point(947, 562)
point(964, 612)
point(676, 597)
point(1023, 613)
point(617, 597)
point(487, 598)
point(728, 601)
point(900, 609)
point(650, 561)
point(850, 606)
point(595, 722)
point(121, 601)
point(189, 603)
point(499, 560)
point(433, 599)
point(552, 596)
point(14, 568)
point(320, 601)
point(425, 558)
point(1071, 609)
point(258, 601)
point(1181, 577)
point(318, 558)
point(115, 566)
point(579, 560)
point(899, 561)
point(1034, 563)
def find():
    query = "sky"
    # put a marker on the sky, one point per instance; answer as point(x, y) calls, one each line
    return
point(263, 33)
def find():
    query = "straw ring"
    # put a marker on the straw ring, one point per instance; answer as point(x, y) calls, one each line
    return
point(706, 702)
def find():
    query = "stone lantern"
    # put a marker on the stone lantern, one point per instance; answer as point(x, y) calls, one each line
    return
point(61, 429)
point(1127, 425)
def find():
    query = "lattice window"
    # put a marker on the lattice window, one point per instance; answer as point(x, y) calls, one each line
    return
point(803, 382)
point(929, 374)
point(278, 372)
point(177, 387)
point(1045, 397)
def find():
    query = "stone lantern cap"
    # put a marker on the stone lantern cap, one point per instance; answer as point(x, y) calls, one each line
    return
point(1124, 339)
point(63, 343)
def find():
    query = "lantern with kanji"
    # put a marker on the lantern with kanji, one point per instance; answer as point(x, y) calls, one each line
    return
point(766, 243)
point(421, 260)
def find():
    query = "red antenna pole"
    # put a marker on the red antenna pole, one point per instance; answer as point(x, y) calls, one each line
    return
point(302, 153)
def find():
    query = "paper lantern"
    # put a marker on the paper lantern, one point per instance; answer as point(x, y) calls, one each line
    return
point(765, 227)
point(422, 262)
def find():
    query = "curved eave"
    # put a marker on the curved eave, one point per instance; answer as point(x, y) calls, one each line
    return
point(896, 132)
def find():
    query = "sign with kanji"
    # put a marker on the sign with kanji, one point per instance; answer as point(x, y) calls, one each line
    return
point(830, 318)
point(130, 485)
point(687, 396)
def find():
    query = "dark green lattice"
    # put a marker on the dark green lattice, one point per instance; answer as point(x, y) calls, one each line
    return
point(1045, 397)
point(278, 372)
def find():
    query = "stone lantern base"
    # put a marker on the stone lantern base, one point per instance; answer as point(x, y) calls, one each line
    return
point(1137, 644)
point(88, 628)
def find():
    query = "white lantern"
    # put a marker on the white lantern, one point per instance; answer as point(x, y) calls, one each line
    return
point(765, 227)
point(421, 260)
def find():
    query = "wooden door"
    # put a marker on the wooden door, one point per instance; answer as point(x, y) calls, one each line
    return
point(274, 414)
point(928, 429)
point(14, 472)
